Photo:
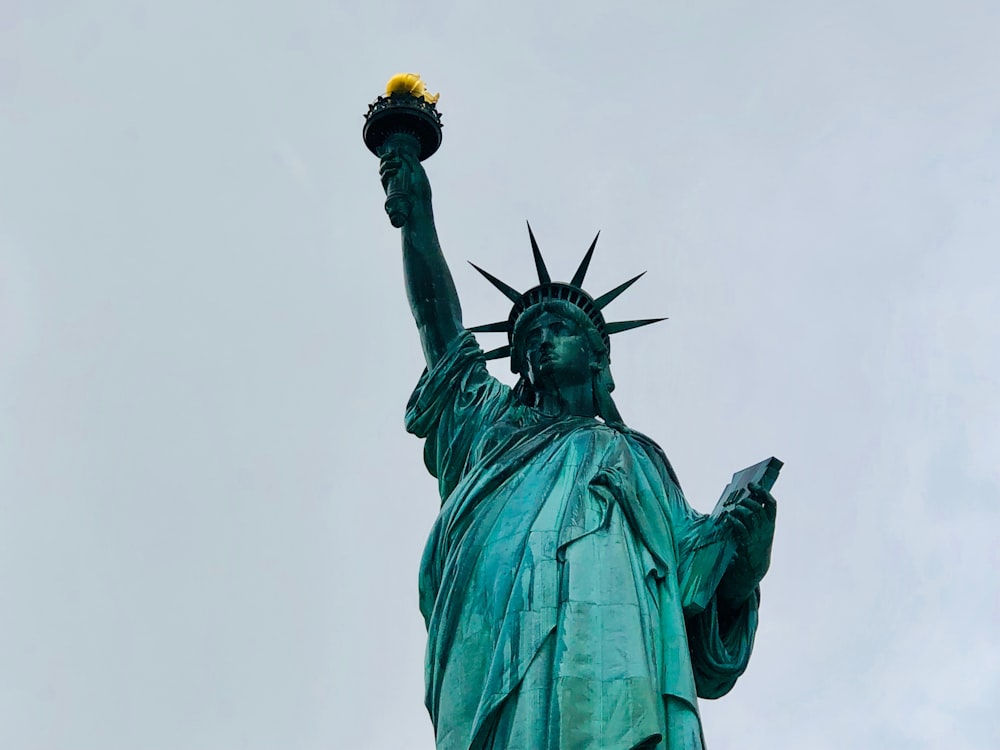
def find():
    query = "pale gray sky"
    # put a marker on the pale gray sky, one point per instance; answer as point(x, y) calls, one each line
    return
point(210, 515)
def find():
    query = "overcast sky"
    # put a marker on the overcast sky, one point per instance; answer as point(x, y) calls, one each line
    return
point(211, 517)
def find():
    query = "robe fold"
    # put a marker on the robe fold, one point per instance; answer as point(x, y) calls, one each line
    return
point(549, 584)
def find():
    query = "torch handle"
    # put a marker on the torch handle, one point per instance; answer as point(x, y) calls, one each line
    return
point(398, 200)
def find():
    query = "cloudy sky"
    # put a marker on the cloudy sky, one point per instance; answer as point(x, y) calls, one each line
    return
point(210, 515)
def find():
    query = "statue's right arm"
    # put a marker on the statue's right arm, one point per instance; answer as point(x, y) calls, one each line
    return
point(429, 285)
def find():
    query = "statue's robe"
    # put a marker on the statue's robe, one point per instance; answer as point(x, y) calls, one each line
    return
point(549, 584)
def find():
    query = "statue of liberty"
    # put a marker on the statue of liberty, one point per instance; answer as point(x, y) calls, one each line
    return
point(556, 585)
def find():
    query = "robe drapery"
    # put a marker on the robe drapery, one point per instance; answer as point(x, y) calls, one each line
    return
point(549, 584)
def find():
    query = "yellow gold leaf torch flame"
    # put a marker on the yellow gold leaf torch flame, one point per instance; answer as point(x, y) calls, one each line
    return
point(410, 83)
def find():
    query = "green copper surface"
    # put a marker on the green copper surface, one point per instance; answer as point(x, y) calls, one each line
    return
point(560, 611)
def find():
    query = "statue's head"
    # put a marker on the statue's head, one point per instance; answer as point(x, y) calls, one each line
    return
point(554, 345)
point(557, 338)
point(557, 333)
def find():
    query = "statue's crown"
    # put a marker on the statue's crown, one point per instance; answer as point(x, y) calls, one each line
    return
point(548, 291)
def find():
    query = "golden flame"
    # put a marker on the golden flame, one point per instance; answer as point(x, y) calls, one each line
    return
point(410, 83)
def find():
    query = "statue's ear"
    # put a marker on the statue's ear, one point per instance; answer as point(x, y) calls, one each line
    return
point(516, 362)
point(600, 361)
point(601, 369)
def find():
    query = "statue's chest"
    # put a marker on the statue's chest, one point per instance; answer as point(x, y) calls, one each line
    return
point(534, 435)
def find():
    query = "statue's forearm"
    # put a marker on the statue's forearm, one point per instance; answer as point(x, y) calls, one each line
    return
point(429, 285)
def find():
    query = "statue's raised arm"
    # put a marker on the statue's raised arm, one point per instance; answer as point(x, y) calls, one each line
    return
point(429, 285)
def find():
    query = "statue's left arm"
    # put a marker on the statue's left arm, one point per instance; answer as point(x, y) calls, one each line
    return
point(721, 636)
point(720, 621)
point(751, 522)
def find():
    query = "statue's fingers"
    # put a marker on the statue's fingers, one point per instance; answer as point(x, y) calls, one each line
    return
point(761, 495)
point(734, 527)
point(388, 171)
point(742, 515)
point(748, 506)
point(762, 513)
point(739, 511)
point(739, 527)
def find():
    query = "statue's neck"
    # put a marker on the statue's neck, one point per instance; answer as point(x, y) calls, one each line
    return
point(565, 400)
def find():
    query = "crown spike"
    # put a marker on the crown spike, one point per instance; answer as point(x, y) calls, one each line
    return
point(584, 265)
point(498, 353)
point(605, 299)
point(508, 291)
point(543, 272)
point(628, 325)
point(502, 327)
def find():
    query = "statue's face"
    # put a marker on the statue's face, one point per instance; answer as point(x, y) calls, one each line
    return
point(557, 349)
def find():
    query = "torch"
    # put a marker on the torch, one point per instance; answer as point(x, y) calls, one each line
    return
point(404, 120)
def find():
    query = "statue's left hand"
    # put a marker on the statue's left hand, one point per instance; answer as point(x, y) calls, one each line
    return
point(751, 521)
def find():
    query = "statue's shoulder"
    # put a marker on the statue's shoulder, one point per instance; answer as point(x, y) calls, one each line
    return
point(652, 450)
